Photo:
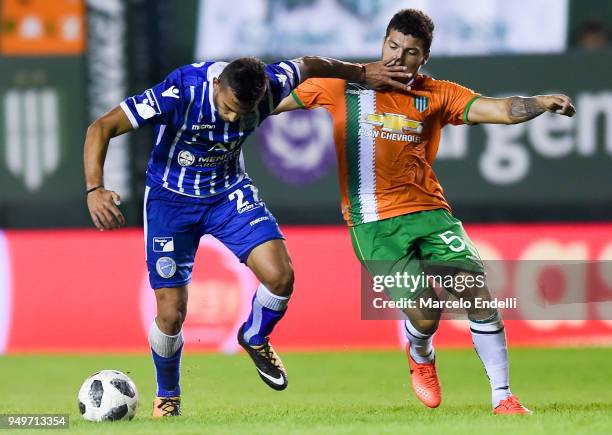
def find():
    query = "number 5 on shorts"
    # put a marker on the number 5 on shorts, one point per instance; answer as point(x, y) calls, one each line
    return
point(453, 241)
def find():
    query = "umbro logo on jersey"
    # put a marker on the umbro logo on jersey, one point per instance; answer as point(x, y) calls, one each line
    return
point(171, 92)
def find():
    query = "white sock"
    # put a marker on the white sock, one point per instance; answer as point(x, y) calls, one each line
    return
point(421, 348)
point(489, 340)
point(269, 300)
point(163, 344)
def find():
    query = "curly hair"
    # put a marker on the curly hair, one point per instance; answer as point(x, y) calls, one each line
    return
point(413, 22)
point(247, 78)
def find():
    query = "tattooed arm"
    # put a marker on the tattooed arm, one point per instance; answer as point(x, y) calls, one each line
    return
point(514, 110)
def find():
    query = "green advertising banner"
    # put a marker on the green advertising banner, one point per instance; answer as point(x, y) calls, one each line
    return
point(551, 168)
point(46, 103)
point(42, 126)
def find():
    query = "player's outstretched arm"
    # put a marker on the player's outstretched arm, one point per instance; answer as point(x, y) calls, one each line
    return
point(514, 110)
point(375, 75)
point(102, 203)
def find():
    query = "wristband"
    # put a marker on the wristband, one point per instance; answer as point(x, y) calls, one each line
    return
point(94, 188)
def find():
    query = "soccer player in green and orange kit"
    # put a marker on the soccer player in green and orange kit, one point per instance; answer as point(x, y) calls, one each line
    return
point(386, 142)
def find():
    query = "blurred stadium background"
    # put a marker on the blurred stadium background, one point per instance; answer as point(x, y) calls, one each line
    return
point(532, 191)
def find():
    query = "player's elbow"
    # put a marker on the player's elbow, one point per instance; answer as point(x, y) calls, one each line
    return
point(487, 110)
point(102, 127)
point(313, 66)
point(94, 128)
point(499, 116)
point(492, 118)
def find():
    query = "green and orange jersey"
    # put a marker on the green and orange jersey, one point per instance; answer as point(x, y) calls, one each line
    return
point(386, 142)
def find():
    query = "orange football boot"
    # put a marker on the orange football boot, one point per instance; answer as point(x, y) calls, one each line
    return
point(166, 407)
point(425, 382)
point(511, 405)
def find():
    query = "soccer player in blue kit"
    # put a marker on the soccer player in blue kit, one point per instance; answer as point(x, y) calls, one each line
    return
point(196, 185)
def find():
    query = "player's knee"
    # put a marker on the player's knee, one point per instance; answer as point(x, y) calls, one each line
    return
point(170, 320)
point(480, 309)
point(425, 326)
point(488, 315)
point(171, 311)
point(280, 280)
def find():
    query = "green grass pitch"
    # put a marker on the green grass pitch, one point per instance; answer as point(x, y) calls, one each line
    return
point(351, 392)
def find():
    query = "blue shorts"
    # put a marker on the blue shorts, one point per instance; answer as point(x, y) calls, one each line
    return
point(175, 223)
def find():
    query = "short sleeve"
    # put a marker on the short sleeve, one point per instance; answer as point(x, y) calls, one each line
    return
point(317, 92)
point(284, 77)
point(156, 105)
point(456, 102)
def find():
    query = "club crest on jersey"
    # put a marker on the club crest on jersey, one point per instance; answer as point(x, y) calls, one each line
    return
point(394, 123)
point(147, 105)
point(421, 103)
point(185, 158)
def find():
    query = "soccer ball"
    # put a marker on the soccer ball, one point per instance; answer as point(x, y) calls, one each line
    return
point(108, 395)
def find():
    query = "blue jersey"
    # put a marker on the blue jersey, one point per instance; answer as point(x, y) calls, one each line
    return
point(196, 153)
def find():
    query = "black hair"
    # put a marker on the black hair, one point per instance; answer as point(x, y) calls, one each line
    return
point(247, 78)
point(413, 22)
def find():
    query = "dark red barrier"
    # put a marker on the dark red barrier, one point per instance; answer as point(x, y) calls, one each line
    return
point(81, 290)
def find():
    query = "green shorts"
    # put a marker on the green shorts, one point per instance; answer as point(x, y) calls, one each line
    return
point(415, 243)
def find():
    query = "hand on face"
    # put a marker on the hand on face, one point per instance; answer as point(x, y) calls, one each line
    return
point(404, 50)
point(380, 76)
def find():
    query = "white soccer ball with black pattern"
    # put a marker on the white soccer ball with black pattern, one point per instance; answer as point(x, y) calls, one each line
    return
point(108, 395)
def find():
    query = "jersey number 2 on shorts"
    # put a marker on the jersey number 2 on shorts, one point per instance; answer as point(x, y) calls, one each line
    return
point(238, 195)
